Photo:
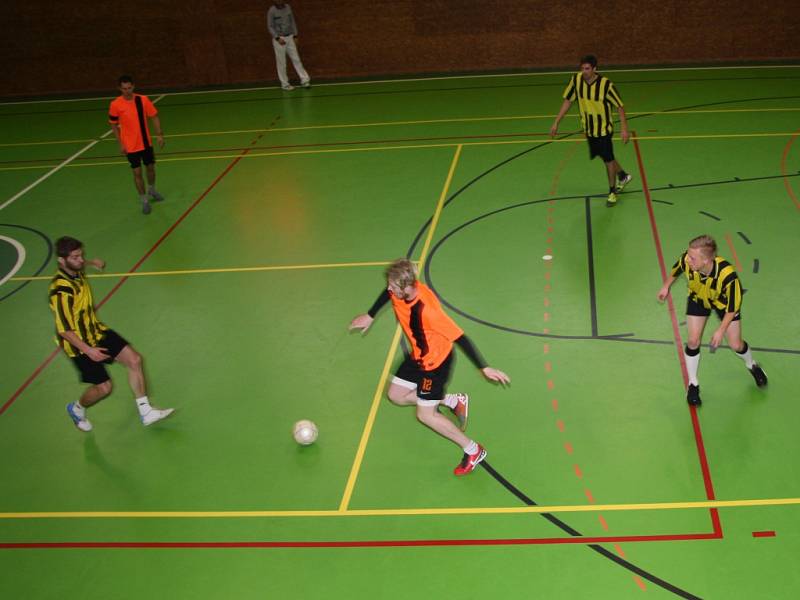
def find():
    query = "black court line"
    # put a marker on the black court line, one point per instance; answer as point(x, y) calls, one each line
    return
point(48, 242)
point(595, 547)
point(300, 95)
point(755, 265)
point(716, 218)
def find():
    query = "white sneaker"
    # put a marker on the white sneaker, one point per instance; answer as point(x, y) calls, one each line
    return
point(156, 414)
point(287, 88)
point(81, 423)
point(306, 84)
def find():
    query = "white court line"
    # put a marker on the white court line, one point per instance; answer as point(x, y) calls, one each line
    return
point(20, 257)
point(439, 78)
point(60, 166)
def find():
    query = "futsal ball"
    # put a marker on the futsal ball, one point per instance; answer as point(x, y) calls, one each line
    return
point(305, 432)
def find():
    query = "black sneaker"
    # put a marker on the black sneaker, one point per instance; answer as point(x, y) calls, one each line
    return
point(623, 182)
point(693, 395)
point(759, 375)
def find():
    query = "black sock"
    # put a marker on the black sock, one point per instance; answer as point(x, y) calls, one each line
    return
point(612, 190)
point(621, 175)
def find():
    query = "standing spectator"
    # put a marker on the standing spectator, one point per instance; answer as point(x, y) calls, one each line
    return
point(283, 29)
point(128, 116)
point(596, 97)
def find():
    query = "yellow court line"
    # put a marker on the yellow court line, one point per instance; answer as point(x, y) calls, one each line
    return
point(376, 399)
point(397, 512)
point(411, 147)
point(221, 270)
point(414, 122)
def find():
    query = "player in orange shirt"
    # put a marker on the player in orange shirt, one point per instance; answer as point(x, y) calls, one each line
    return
point(128, 116)
point(423, 376)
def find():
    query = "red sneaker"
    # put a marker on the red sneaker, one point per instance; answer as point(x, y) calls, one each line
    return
point(461, 410)
point(470, 461)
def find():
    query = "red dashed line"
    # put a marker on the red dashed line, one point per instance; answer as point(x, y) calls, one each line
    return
point(759, 534)
point(548, 368)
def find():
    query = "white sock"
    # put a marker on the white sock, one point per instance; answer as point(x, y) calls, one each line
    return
point(143, 404)
point(746, 356)
point(450, 400)
point(79, 410)
point(692, 363)
point(471, 448)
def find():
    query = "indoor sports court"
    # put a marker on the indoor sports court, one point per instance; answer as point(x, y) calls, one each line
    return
point(281, 213)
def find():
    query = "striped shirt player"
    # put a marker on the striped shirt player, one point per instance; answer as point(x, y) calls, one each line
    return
point(422, 378)
point(712, 285)
point(89, 343)
point(597, 98)
point(128, 115)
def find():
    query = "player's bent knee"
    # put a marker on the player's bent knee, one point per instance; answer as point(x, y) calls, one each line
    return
point(105, 387)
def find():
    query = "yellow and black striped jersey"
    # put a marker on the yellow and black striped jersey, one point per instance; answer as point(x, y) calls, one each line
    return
point(595, 101)
point(73, 308)
point(719, 289)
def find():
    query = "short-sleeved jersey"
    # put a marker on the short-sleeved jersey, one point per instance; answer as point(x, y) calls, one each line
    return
point(595, 101)
point(719, 289)
point(429, 330)
point(131, 116)
point(73, 308)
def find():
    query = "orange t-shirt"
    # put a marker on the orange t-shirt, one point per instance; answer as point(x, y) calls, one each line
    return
point(131, 116)
point(429, 330)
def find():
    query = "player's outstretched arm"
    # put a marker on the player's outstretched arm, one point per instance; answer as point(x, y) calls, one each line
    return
point(664, 291)
point(496, 375)
point(361, 322)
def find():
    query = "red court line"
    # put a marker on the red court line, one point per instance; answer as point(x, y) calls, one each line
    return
point(759, 534)
point(214, 183)
point(367, 543)
point(736, 262)
point(784, 171)
point(698, 434)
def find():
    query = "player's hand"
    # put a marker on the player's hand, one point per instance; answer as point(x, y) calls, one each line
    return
point(97, 263)
point(625, 134)
point(496, 375)
point(97, 354)
point(716, 339)
point(160, 139)
point(554, 130)
point(281, 41)
point(122, 150)
point(361, 322)
point(663, 293)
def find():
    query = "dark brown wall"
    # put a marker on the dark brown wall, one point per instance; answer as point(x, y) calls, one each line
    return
point(82, 46)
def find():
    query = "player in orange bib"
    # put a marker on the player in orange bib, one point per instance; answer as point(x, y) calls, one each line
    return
point(422, 378)
point(128, 115)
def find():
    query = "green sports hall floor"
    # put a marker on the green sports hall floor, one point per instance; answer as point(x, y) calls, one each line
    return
point(281, 210)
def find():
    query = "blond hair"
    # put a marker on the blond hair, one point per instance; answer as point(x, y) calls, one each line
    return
point(402, 273)
point(705, 243)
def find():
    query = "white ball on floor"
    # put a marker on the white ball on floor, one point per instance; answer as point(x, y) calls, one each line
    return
point(305, 432)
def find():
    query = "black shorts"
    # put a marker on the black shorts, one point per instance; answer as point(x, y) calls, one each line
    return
point(95, 372)
point(696, 309)
point(431, 385)
point(145, 156)
point(602, 147)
